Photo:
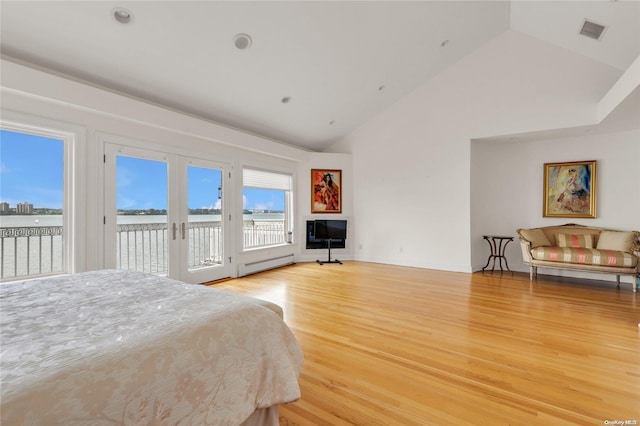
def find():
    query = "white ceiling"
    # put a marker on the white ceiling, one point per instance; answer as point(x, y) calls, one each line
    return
point(339, 62)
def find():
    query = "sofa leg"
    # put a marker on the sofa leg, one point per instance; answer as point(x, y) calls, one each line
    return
point(618, 280)
point(530, 273)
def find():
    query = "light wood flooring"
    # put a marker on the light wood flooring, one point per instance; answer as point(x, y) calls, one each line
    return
point(390, 345)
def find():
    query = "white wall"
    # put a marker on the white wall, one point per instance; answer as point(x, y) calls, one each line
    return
point(325, 161)
point(98, 112)
point(507, 188)
point(412, 163)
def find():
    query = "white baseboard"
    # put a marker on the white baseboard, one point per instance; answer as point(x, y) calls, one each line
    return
point(263, 265)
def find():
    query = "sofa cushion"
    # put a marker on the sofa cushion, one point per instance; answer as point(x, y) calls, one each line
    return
point(552, 232)
point(585, 256)
point(575, 241)
point(535, 236)
point(616, 240)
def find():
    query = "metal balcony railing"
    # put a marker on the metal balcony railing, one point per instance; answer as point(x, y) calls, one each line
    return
point(37, 250)
point(30, 250)
point(263, 232)
point(142, 247)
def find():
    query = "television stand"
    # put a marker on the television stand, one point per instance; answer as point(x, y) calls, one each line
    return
point(329, 256)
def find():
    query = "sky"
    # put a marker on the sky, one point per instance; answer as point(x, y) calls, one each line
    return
point(141, 184)
point(31, 170)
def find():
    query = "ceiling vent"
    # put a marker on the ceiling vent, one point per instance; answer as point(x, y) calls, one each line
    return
point(592, 30)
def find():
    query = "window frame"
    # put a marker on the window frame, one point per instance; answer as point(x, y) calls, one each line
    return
point(74, 186)
point(289, 222)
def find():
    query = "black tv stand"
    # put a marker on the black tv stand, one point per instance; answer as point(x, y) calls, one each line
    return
point(329, 256)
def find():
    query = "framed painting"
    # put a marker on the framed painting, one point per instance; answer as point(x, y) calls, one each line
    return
point(326, 191)
point(570, 189)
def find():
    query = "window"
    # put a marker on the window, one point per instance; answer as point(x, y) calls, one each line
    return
point(267, 208)
point(39, 184)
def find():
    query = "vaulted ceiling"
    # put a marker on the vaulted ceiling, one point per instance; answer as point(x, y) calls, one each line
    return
point(311, 72)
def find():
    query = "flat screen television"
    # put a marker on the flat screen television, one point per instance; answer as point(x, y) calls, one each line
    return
point(314, 242)
point(331, 229)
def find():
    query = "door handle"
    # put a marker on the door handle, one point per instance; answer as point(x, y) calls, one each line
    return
point(183, 230)
point(174, 228)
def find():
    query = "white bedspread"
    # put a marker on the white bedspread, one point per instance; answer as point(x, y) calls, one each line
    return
point(119, 347)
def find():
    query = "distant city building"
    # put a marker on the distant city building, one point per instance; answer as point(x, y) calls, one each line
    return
point(4, 208)
point(24, 208)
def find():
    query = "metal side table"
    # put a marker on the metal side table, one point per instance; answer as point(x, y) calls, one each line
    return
point(498, 244)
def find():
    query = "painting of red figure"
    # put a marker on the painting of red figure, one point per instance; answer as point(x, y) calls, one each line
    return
point(326, 193)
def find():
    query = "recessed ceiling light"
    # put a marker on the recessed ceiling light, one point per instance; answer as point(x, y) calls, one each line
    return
point(286, 99)
point(122, 15)
point(242, 41)
point(444, 43)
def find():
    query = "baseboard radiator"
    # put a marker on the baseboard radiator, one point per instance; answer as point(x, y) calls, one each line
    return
point(263, 265)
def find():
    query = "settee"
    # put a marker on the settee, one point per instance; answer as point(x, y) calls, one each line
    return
point(582, 248)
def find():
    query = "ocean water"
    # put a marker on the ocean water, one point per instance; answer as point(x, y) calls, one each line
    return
point(56, 220)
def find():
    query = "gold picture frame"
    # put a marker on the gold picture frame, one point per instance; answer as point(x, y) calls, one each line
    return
point(326, 191)
point(570, 189)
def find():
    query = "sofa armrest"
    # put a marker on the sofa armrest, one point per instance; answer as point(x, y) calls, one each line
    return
point(525, 247)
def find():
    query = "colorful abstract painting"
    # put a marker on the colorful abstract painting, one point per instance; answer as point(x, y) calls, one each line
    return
point(570, 189)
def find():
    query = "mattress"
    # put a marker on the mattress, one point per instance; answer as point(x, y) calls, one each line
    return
point(122, 347)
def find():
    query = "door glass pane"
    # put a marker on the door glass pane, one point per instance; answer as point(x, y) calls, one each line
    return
point(31, 201)
point(141, 202)
point(204, 227)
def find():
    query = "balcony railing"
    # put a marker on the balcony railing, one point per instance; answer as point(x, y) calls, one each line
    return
point(30, 251)
point(263, 232)
point(142, 247)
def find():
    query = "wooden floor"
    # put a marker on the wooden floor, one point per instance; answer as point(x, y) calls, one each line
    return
point(389, 345)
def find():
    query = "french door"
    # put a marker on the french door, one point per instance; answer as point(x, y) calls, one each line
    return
point(165, 214)
point(203, 221)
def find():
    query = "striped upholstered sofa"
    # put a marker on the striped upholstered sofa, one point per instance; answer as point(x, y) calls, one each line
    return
point(582, 248)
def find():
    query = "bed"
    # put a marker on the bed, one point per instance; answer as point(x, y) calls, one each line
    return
point(117, 347)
